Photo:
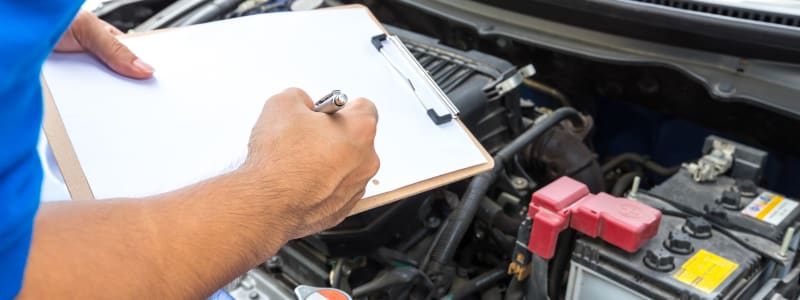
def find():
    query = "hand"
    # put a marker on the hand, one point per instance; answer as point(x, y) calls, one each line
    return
point(320, 163)
point(89, 33)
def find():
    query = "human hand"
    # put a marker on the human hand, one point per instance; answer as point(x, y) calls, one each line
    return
point(88, 33)
point(314, 165)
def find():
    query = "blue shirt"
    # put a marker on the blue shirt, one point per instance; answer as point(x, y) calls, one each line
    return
point(28, 32)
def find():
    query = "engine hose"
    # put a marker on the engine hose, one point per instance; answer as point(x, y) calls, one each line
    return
point(645, 162)
point(478, 284)
point(537, 281)
point(559, 263)
point(491, 213)
point(624, 182)
point(514, 290)
point(462, 216)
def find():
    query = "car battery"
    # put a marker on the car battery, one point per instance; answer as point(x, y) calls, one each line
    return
point(687, 259)
point(732, 199)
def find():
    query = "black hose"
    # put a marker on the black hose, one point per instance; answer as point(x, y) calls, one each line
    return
point(624, 182)
point(536, 130)
point(479, 283)
point(645, 162)
point(564, 245)
point(514, 290)
point(458, 221)
point(491, 213)
point(537, 281)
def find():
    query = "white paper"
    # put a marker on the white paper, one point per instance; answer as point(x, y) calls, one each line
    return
point(193, 119)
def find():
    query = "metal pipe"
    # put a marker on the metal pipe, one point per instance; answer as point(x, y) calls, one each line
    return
point(548, 90)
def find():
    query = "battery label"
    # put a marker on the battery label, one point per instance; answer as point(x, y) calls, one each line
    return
point(770, 208)
point(705, 271)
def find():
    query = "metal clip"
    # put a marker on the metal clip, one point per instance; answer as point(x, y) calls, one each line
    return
point(510, 83)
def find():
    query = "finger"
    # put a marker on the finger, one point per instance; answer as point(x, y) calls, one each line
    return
point(111, 29)
point(360, 119)
point(361, 106)
point(291, 98)
point(93, 35)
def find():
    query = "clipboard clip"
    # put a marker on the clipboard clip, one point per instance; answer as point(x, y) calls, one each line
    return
point(436, 117)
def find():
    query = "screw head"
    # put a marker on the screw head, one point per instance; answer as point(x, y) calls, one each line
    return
point(519, 182)
point(659, 260)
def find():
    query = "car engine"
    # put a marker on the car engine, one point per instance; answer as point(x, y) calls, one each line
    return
point(613, 178)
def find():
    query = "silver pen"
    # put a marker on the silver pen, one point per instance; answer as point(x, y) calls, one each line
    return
point(331, 103)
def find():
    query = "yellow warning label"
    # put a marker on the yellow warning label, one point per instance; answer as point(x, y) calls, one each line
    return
point(705, 271)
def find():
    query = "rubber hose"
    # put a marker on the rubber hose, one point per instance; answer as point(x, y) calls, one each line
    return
point(624, 182)
point(638, 158)
point(464, 213)
point(491, 213)
point(537, 281)
point(479, 283)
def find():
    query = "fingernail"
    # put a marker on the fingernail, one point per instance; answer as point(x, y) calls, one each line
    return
point(143, 66)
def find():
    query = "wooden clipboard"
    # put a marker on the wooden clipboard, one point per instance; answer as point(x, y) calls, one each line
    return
point(79, 188)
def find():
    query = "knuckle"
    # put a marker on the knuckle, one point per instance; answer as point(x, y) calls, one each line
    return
point(118, 48)
point(375, 165)
point(295, 92)
point(82, 25)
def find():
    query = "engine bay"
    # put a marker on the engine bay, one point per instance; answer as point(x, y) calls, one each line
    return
point(616, 176)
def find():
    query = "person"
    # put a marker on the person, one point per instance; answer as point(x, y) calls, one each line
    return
point(188, 243)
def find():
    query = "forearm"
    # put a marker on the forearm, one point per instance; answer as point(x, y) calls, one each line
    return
point(183, 244)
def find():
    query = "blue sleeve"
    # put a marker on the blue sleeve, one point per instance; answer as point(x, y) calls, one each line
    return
point(28, 32)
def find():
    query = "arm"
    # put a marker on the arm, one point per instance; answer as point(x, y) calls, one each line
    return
point(297, 179)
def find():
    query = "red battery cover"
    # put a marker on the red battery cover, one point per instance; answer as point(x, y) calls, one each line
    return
point(622, 222)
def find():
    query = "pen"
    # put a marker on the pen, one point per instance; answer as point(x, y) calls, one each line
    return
point(331, 103)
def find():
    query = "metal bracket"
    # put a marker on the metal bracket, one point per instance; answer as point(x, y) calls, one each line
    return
point(510, 83)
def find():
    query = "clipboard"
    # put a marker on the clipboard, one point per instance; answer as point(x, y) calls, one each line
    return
point(79, 188)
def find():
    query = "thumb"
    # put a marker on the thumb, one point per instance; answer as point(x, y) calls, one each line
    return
point(94, 35)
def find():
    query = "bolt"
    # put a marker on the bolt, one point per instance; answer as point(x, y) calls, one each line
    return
point(346, 270)
point(697, 227)
point(725, 88)
point(519, 183)
point(433, 222)
point(787, 239)
point(479, 234)
point(635, 187)
point(660, 260)
point(253, 295)
point(247, 284)
point(502, 43)
point(274, 264)
point(678, 242)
